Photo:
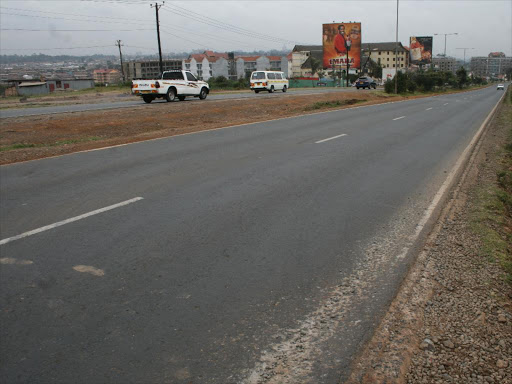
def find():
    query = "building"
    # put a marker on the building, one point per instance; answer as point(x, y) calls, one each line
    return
point(384, 54)
point(445, 64)
point(302, 58)
point(31, 87)
point(496, 64)
point(106, 76)
point(149, 69)
point(213, 64)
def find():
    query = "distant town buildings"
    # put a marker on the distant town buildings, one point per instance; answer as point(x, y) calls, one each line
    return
point(448, 64)
point(149, 69)
point(496, 64)
point(384, 54)
point(106, 76)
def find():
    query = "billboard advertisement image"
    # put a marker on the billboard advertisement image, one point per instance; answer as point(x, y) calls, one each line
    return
point(338, 39)
point(420, 50)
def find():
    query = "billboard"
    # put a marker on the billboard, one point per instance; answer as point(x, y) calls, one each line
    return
point(338, 39)
point(420, 50)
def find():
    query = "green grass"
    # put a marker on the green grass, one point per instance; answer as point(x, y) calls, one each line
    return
point(492, 213)
point(332, 104)
point(12, 147)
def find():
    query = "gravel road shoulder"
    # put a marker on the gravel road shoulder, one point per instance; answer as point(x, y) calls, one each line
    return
point(452, 319)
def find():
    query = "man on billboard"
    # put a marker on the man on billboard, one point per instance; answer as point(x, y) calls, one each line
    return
point(342, 42)
point(339, 41)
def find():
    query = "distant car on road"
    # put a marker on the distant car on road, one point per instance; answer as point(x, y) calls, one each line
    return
point(500, 86)
point(366, 82)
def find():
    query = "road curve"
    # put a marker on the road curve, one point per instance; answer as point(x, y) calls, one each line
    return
point(235, 255)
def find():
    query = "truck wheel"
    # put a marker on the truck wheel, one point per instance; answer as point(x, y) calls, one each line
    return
point(181, 98)
point(256, 91)
point(271, 90)
point(203, 93)
point(284, 88)
point(170, 95)
point(147, 99)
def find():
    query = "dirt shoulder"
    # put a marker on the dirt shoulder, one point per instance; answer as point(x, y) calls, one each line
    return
point(452, 319)
point(28, 138)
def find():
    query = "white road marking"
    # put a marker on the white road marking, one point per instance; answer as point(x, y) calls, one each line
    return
point(330, 138)
point(445, 104)
point(398, 118)
point(89, 269)
point(428, 109)
point(67, 221)
point(10, 260)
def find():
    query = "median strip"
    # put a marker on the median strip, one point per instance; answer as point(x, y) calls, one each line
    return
point(67, 221)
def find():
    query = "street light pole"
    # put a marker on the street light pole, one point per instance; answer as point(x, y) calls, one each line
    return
point(396, 50)
point(465, 49)
point(445, 34)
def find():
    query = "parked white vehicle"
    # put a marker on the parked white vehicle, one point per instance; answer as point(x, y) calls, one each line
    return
point(268, 81)
point(172, 85)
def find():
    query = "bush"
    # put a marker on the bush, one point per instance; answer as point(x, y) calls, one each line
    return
point(402, 79)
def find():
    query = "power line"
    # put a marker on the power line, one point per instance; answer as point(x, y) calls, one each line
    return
point(64, 18)
point(228, 25)
point(229, 28)
point(48, 49)
point(74, 14)
point(72, 30)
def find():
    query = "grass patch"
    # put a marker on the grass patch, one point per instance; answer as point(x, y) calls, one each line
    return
point(492, 215)
point(12, 147)
point(332, 104)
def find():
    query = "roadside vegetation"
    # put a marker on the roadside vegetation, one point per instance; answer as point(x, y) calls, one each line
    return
point(492, 217)
point(432, 81)
point(332, 104)
point(224, 84)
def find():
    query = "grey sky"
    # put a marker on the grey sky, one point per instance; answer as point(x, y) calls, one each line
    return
point(485, 25)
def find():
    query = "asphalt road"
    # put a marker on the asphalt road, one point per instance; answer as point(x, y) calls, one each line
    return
point(251, 251)
point(137, 101)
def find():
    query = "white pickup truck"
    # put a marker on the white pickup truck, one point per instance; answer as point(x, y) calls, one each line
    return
point(172, 85)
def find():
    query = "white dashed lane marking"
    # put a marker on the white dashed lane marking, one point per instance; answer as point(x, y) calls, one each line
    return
point(67, 221)
point(330, 138)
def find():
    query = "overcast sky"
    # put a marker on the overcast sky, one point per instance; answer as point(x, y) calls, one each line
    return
point(485, 25)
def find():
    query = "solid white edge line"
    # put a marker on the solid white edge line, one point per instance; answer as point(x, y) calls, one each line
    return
point(233, 126)
point(447, 183)
point(398, 118)
point(67, 221)
point(330, 138)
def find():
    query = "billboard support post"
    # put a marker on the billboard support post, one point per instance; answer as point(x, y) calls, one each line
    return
point(348, 66)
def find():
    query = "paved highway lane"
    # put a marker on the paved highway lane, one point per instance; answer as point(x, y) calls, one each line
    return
point(209, 257)
point(136, 101)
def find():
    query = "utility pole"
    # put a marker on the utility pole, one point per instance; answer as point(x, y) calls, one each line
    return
point(396, 50)
point(445, 34)
point(118, 43)
point(465, 49)
point(157, 8)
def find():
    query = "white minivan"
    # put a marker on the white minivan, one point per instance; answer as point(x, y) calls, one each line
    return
point(268, 81)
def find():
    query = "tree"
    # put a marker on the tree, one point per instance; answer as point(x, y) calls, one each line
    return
point(315, 64)
point(462, 77)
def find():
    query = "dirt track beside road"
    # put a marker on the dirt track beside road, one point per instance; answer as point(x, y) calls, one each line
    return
point(28, 138)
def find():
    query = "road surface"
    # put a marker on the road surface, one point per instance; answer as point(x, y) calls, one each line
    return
point(137, 101)
point(252, 253)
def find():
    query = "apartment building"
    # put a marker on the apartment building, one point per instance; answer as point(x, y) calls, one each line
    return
point(384, 54)
point(445, 64)
point(106, 76)
point(496, 64)
point(149, 69)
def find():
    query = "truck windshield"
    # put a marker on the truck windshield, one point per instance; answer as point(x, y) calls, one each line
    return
point(258, 75)
point(172, 76)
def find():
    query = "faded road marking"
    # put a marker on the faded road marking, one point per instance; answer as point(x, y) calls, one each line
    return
point(445, 104)
point(330, 138)
point(89, 269)
point(398, 118)
point(76, 218)
point(428, 109)
point(10, 260)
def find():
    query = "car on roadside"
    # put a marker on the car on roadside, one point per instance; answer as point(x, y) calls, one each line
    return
point(171, 86)
point(500, 87)
point(366, 82)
